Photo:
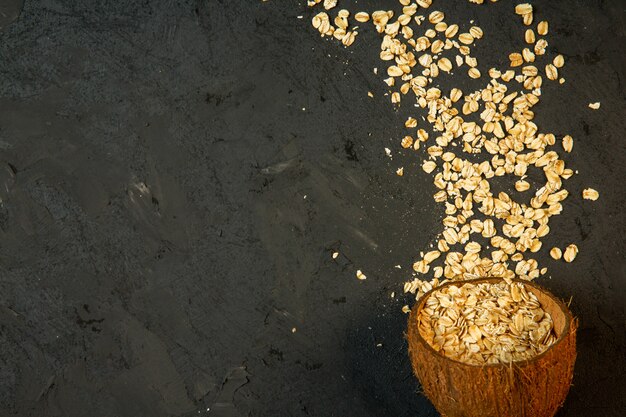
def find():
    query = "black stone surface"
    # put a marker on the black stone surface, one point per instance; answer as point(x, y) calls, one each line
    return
point(175, 175)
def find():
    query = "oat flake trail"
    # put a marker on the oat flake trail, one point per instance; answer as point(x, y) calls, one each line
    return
point(476, 136)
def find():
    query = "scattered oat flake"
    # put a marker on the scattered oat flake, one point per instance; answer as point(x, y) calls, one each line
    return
point(362, 17)
point(406, 309)
point(400, 171)
point(370, 94)
point(595, 105)
point(568, 143)
point(329, 4)
point(590, 194)
point(570, 253)
point(360, 275)
point(429, 166)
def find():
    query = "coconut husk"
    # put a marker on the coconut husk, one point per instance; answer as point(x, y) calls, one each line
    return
point(532, 388)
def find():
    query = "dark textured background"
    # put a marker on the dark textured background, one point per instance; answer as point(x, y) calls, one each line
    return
point(156, 245)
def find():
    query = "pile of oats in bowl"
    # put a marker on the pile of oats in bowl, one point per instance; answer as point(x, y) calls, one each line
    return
point(486, 323)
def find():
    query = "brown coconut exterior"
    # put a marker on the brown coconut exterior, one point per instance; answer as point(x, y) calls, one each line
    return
point(534, 388)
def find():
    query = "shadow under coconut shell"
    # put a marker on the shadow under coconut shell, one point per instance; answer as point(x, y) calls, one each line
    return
point(383, 373)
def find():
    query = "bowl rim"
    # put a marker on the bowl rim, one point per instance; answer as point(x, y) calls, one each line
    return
point(523, 363)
